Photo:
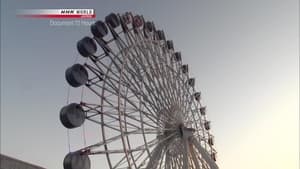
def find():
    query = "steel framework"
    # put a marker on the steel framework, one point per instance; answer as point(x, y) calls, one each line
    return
point(144, 101)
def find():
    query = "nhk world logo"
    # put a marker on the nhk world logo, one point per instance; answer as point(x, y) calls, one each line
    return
point(57, 13)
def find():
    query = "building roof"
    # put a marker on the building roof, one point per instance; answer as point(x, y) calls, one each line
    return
point(13, 163)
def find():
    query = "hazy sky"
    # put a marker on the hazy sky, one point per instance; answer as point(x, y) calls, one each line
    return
point(244, 55)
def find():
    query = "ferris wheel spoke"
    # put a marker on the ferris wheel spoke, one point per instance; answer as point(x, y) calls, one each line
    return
point(161, 58)
point(143, 127)
point(155, 156)
point(107, 48)
point(190, 101)
point(180, 89)
point(118, 151)
point(177, 83)
point(168, 163)
point(145, 95)
point(105, 79)
point(193, 119)
point(120, 40)
point(172, 85)
point(134, 91)
point(104, 124)
point(109, 91)
point(135, 108)
point(123, 159)
point(111, 84)
point(101, 96)
point(158, 75)
point(144, 102)
point(145, 98)
point(200, 159)
point(204, 154)
point(148, 86)
point(94, 147)
point(135, 80)
point(138, 59)
point(169, 159)
point(162, 159)
point(182, 94)
point(131, 38)
point(109, 115)
point(154, 95)
point(161, 70)
point(149, 117)
point(178, 162)
point(140, 154)
point(100, 75)
point(176, 89)
point(186, 100)
point(191, 116)
point(159, 144)
point(102, 67)
point(121, 162)
point(150, 80)
point(173, 163)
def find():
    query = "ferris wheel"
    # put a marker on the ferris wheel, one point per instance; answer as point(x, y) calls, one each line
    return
point(138, 92)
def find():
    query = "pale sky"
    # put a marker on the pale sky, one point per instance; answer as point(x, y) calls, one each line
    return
point(244, 55)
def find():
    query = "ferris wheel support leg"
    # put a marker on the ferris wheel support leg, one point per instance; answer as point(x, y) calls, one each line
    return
point(168, 160)
point(185, 154)
point(195, 160)
point(154, 158)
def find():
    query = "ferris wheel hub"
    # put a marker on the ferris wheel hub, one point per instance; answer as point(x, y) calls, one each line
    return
point(186, 132)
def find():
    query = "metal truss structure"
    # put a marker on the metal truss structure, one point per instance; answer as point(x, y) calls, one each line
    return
point(143, 100)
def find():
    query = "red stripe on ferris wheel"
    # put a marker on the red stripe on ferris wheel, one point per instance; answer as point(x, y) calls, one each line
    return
point(57, 16)
point(56, 13)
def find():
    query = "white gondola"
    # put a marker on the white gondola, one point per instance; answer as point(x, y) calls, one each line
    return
point(191, 82)
point(203, 110)
point(185, 69)
point(76, 75)
point(177, 56)
point(197, 96)
point(170, 45)
point(99, 29)
point(86, 46)
point(210, 141)
point(72, 115)
point(75, 160)
point(207, 125)
point(112, 20)
point(161, 35)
